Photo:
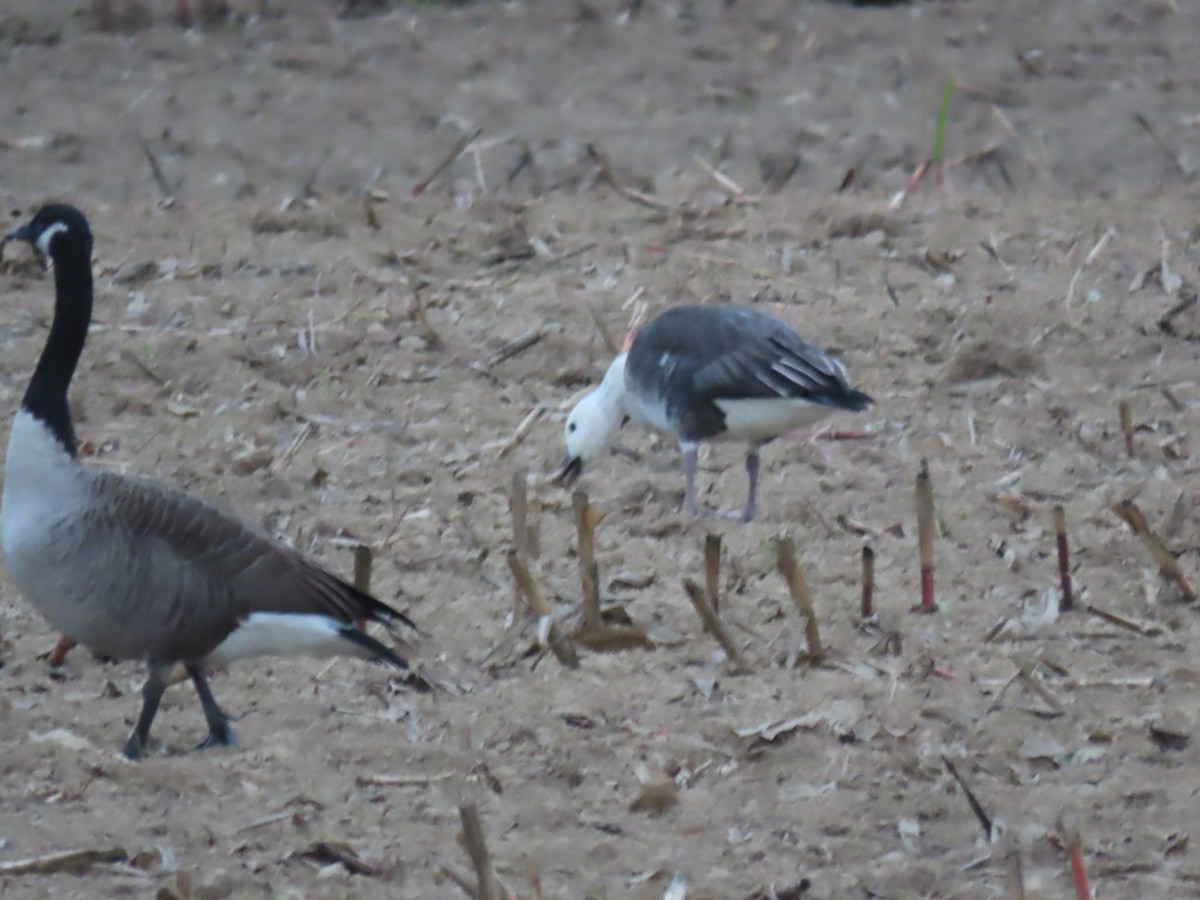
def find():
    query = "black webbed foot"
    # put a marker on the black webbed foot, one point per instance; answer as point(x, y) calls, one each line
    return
point(218, 736)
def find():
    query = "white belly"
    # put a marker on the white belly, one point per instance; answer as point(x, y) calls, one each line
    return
point(756, 421)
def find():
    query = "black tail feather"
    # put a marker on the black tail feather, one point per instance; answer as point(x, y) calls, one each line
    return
point(378, 649)
point(384, 654)
point(851, 399)
point(375, 610)
point(379, 611)
point(842, 396)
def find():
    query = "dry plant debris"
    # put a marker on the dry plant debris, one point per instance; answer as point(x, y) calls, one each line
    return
point(789, 568)
point(713, 625)
point(473, 841)
point(1129, 512)
point(287, 330)
point(338, 853)
point(62, 861)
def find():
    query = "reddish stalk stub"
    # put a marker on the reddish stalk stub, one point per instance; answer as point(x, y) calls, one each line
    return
point(1079, 876)
point(928, 603)
point(58, 655)
point(918, 176)
point(1064, 560)
point(925, 523)
point(867, 609)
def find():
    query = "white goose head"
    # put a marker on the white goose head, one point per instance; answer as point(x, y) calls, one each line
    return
point(593, 423)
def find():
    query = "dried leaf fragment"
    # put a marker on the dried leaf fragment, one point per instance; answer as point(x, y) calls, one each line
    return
point(656, 797)
point(327, 853)
point(1168, 736)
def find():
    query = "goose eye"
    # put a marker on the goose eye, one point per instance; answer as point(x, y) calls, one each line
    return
point(571, 427)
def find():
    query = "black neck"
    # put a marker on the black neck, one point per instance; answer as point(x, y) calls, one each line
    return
point(46, 397)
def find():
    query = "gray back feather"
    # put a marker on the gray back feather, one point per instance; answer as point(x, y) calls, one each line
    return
point(690, 357)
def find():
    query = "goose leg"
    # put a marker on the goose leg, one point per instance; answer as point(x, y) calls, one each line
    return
point(689, 473)
point(58, 655)
point(220, 734)
point(152, 691)
point(752, 475)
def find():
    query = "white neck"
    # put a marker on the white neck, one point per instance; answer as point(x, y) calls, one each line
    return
point(612, 388)
point(610, 398)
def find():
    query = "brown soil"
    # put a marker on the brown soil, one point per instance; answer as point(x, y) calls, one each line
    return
point(255, 341)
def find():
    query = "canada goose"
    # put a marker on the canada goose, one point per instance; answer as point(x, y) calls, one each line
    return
point(705, 373)
point(134, 569)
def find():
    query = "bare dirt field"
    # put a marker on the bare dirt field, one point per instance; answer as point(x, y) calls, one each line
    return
point(295, 335)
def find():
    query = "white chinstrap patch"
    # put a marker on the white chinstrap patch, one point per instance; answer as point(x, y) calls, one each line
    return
point(282, 634)
point(44, 239)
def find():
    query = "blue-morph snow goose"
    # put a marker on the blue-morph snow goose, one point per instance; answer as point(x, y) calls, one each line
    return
point(704, 373)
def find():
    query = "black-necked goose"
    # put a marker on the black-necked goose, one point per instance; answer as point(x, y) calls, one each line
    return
point(705, 373)
point(133, 569)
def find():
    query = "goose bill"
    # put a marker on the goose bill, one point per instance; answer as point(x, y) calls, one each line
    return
point(569, 471)
point(20, 234)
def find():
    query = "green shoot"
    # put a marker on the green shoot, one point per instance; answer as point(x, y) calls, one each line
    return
point(939, 136)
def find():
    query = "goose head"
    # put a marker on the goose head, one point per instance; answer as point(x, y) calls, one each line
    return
point(57, 230)
point(593, 423)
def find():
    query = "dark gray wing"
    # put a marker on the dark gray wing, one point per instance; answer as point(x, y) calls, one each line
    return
point(735, 353)
point(770, 368)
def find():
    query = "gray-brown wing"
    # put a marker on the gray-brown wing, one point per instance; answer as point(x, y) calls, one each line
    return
point(213, 568)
